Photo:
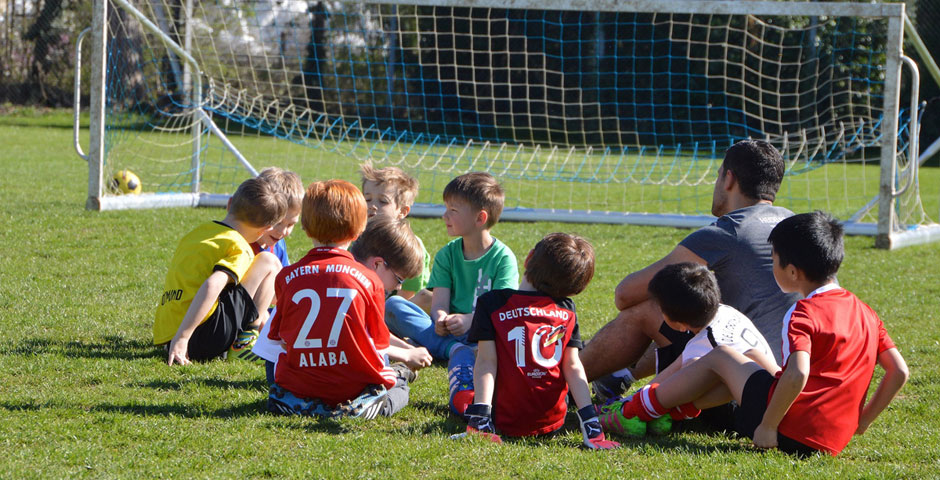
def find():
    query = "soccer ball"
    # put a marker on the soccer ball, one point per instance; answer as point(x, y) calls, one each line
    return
point(125, 181)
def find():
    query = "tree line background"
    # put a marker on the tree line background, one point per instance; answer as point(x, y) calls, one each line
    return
point(37, 41)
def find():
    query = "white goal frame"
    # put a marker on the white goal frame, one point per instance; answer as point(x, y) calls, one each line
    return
point(885, 231)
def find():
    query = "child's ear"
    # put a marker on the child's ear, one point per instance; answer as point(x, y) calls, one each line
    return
point(403, 211)
point(528, 257)
point(482, 217)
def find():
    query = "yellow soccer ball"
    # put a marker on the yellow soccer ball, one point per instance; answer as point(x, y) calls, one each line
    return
point(125, 181)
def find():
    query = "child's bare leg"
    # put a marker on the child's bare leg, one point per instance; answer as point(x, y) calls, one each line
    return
point(709, 381)
point(259, 282)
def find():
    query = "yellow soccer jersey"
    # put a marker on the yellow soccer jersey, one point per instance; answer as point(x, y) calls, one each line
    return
point(211, 246)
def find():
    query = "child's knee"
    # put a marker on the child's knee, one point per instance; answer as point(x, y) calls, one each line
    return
point(266, 262)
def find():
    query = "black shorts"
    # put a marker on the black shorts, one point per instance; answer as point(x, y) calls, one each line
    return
point(670, 353)
point(750, 413)
point(236, 311)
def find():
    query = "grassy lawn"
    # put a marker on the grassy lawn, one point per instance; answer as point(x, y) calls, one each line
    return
point(83, 393)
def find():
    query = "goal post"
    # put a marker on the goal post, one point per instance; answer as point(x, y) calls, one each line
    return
point(606, 111)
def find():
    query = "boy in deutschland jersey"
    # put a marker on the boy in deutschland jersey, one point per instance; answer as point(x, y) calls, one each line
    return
point(528, 341)
point(331, 310)
point(687, 294)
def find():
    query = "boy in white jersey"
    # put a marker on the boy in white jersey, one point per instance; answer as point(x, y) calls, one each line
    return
point(688, 297)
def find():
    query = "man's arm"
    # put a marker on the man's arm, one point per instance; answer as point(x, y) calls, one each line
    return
point(206, 296)
point(896, 375)
point(632, 289)
point(789, 386)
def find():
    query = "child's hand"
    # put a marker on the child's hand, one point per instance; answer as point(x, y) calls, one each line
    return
point(178, 352)
point(440, 326)
point(765, 437)
point(418, 358)
point(458, 323)
point(591, 430)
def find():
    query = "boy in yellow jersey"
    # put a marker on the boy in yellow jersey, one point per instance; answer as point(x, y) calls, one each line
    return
point(215, 286)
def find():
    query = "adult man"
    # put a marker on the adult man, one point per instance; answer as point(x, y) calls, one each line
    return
point(735, 247)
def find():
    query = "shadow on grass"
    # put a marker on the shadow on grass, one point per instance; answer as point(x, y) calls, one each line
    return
point(216, 383)
point(109, 347)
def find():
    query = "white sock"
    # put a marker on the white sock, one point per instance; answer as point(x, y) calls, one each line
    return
point(624, 373)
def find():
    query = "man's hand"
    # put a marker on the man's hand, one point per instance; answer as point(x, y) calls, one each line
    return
point(765, 437)
point(591, 430)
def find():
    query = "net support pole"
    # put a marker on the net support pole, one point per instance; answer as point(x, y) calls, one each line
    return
point(889, 131)
point(96, 150)
point(195, 100)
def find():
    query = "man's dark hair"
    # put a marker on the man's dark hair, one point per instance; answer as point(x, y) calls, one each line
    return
point(758, 167)
point(686, 293)
point(812, 242)
point(561, 265)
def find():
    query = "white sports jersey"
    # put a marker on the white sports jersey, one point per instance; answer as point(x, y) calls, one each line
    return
point(729, 327)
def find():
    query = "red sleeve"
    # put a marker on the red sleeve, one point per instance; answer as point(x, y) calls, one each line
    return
point(884, 340)
point(376, 318)
point(799, 330)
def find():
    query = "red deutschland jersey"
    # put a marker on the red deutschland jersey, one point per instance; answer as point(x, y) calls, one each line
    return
point(331, 317)
point(843, 337)
point(531, 332)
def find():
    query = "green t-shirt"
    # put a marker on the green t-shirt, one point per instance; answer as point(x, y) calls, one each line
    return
point(468, 279)
point(419, 282)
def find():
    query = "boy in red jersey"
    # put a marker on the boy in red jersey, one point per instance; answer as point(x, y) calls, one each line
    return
point(831, 344)
point(528, 341)
point(330, 310)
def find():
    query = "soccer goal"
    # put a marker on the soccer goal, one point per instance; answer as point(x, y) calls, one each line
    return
point(613, 111)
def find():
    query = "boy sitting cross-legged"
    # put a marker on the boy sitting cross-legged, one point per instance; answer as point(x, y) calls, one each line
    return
point(466, 268)
point(687, 294)
point(831, 346)
point(330, 312)
point(527, 350)
point(216, 287)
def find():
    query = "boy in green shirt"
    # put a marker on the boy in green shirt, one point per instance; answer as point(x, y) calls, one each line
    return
point(466, 268)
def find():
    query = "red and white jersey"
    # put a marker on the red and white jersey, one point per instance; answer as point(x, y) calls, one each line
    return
point(331, 317)
point(531, 332)
point(843, 337)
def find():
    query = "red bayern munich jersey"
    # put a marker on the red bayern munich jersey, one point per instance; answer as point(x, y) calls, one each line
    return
point(531, 332)
point(843, 337)
point(331, 317)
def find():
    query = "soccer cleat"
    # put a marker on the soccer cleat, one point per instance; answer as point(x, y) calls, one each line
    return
point(609, 387)
point(480, 422)
point(403, 372)
point(613, 421)
point(282, 402)
point(368, 405)
point(659, 426)
point(241, 348)
point(460, 375)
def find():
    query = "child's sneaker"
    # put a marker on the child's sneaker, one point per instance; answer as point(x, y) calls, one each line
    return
point(659, 426)
point(241, 348)
point(460, 374)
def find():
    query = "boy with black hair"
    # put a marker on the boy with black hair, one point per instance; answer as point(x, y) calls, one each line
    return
point(528, 343)
point(833, 341)
point(215, 287)
point(687, 294)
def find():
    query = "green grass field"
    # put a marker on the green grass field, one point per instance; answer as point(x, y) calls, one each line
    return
point(83, 393)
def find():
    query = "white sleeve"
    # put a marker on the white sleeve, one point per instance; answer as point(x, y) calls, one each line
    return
point(265, 347)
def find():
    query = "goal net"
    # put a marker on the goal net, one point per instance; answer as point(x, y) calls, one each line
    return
point(617, 114)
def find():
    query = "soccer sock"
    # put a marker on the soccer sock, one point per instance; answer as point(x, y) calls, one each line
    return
point(644, 405)
point(684, 412)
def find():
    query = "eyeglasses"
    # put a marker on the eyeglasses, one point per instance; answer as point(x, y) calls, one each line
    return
point(397, 278)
